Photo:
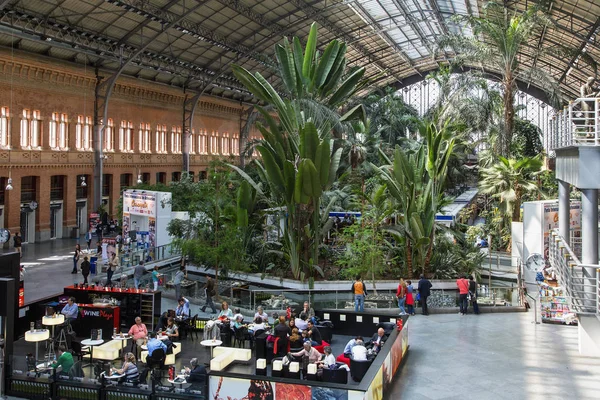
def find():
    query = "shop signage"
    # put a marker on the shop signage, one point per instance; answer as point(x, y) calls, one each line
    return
point(96, 314)
point(139, 204)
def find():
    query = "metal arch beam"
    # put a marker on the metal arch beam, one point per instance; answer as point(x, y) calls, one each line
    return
point(587, 40)
point(189, 108)
point(103, 91)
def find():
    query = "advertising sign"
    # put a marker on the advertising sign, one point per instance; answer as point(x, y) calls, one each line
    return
point(21, 294)
point(139, 204)
point(551, 222)
point(94, 221)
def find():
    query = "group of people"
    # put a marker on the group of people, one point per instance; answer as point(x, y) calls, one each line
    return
point(467, 292)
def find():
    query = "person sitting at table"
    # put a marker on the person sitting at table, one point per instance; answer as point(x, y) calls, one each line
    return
point(305, 337)
point(308, 310)
point(378, 340)
point(295, 340)
point(129, 369)
point(301, 322)
point(314, 334)
point(330, 362)
point(196, 375)
point(70, 310)
point(350, 345)
point(225, 313)
point(261, 313)
point(282, 330)
point(259, 325)
point(309, 355)
point(183, 309)
point(171, 330)
point(292, 324)
point(238, 322)
point(154, 343)
point(65, 359)
point(359, 351)
point(138, 332)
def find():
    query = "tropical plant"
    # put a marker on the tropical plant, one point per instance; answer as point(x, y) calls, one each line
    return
point(298, 158)
point(527, 140)
point(508, 181)
point(499, 37)
point(416, 181)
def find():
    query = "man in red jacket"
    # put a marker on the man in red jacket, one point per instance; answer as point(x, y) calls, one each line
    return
point(463, 291)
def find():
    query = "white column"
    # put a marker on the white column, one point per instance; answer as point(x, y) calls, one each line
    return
point(564, 208)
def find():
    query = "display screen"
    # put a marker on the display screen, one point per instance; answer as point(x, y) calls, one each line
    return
point(21, 294)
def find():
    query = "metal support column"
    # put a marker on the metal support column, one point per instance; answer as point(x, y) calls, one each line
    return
point(589, 226)
point(564, 208)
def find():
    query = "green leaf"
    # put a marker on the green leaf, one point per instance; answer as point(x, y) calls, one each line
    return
point(286, 67)
point(347, 87)
point(326, 63)
point(311, 47)
point(272, 168)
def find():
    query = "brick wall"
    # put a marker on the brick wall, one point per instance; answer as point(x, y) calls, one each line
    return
point(37, 83)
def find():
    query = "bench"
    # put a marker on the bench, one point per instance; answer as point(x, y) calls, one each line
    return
point(223, 356)
point(169, 359)
point(110, 350)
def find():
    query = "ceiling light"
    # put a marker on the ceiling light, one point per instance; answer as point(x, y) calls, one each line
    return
point(139, 179)
point(83, 182)
point(9, 186)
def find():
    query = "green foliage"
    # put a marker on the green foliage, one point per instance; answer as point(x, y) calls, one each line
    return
point(364, 252)
point(509, 180)
point(527, 140)
point(454, 256)
point(298, 160)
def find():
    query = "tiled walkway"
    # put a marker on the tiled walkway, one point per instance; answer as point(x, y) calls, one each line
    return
point(494, 356)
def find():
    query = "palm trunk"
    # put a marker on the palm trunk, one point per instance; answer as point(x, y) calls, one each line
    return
point(428, 256)
point(509, 114)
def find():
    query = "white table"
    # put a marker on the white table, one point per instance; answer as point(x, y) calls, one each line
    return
point(45, 366)
point(91, 343)
point(181, 383)
point(212, 344)
point(123, 338)
point(111, 376)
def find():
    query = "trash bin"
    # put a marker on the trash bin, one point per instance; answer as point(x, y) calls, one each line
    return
point(75, 233)
point(93, 261)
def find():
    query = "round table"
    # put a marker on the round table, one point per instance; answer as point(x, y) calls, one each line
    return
point(123, 338)
point(36, 336)
point(181, 383)
point(212, 344)
point(111, 376)
point(91, 343)
point(45, 366)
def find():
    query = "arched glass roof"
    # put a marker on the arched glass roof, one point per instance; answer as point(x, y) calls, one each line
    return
point(192, 43)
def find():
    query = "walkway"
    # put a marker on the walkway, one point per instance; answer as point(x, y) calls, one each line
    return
point(494, 356)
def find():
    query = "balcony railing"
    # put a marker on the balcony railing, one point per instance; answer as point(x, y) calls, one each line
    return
point(580, 281)
point(578, 124)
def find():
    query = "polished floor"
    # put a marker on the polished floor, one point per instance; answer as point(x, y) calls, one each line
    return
point(494, 356)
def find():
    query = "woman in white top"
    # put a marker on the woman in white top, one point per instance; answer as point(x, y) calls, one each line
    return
point(329, 360)
point(359, 351)
point(262, 314)
point(258, 324)
point(226, 313)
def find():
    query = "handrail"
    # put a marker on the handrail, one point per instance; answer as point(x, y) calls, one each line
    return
point(576, 124)
point(580, 281)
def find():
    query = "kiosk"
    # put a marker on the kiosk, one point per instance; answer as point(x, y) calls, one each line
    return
point(145, 217)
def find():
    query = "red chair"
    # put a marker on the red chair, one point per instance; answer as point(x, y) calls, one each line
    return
point(321, 346)
point(343, 359)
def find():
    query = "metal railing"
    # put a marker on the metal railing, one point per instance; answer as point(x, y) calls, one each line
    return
point(577, 124)
point(580, 281)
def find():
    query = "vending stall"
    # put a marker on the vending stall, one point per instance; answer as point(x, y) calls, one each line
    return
point(145, 217)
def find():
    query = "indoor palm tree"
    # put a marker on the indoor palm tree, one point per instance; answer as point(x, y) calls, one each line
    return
point(509, 180)
point(298, 157)
point(499, 37)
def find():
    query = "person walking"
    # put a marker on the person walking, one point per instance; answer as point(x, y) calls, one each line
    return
point(401, 296)
point(210, 292)
point(410, 298)
point(88, 240)
point(85, 269)
point(463, 291)
point(76, 258)
point(138, 273)
point(473, 293)
point(17, 241)
point(360, 292)
point(424, 288)
point(155, 278)
point(113, 262)
point(179, 276)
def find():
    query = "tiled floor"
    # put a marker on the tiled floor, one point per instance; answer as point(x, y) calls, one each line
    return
point(494, 356)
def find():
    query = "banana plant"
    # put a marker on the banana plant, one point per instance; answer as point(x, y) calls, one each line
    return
point(416, 181)
point(299, 159)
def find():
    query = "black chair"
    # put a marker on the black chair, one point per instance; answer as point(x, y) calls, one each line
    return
point(338, 375)
point(240, 336)
point(192, 327)
point(156, 360)
point(77, 350)
point(358, 369)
